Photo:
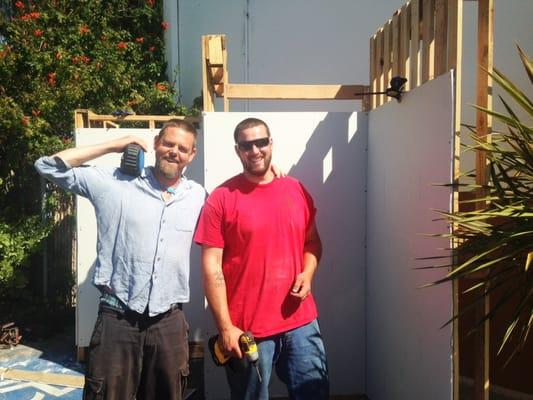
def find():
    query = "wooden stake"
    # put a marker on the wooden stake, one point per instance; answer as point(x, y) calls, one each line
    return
point(387, 67)
point(428, 40)
point(414, 57)
point(405, 29)
point(441, 36)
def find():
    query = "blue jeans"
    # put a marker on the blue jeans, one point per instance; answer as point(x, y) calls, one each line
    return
point(300, 361)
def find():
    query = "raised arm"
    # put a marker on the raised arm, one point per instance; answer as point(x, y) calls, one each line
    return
point(76, 156)
point(311, 257)
point(215, 291)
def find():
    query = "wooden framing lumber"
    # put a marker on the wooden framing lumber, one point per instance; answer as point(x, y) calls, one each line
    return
point(295, 92)
point(68, 380)
point(373, 77)
point(84, 118)
point(405, 25)
point(380, 81)
point(428, 40)
point(414, 54)
point(485, 43)
point(441, 36)
point(395, 37)
point(387, 64)
point(454, 62)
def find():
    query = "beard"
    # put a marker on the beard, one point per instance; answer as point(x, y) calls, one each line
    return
point(167, 169)
point(257, 170)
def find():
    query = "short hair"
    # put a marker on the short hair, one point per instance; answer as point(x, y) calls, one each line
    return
point(178, 123)
point(249, 123)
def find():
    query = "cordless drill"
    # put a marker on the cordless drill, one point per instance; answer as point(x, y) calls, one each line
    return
point(132, 162)
point(247, 345)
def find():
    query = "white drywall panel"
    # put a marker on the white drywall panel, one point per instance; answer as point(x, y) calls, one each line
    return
point(409, 149)
point(87, 294)
point(327, 152)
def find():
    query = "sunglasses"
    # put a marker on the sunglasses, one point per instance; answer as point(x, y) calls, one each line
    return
point(259, 143)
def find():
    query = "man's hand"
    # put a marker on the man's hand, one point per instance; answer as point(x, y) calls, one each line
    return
point(229, 341)
point(278, 173)
point(120, 144)
point(302, 286)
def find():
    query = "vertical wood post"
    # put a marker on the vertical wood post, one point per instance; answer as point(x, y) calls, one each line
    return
point(207, 87)
point(379, 67)
point(387, 65)
point(414, 55)
point(428, 40)
point(485, 42)
point(405, 29)
point(373, 80)
point(454, 61)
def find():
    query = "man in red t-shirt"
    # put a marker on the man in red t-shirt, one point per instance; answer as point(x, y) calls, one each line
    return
point(260, 250)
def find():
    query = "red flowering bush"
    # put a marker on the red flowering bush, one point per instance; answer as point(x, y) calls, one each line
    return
point(56, 56)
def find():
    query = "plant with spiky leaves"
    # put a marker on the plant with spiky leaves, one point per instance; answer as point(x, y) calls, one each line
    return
point(495, 241)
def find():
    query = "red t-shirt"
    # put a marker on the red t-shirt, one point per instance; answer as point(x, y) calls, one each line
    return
point(262, 231)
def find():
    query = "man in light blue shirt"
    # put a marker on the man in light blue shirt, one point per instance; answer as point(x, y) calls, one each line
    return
point(145, 225)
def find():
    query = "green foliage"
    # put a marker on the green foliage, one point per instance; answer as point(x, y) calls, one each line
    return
point(56, 56)
point(496, 240)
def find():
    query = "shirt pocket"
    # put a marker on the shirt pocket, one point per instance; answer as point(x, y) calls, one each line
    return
point(185, 220)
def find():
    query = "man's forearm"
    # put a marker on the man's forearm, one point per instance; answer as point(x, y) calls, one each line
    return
point(76, 156)
point(215, 287)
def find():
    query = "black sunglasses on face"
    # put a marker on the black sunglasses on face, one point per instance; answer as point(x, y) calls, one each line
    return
point(259, 143)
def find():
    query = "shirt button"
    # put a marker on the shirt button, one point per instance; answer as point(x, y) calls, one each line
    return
point(158, 258)
point(161, 240)
point(163, 221)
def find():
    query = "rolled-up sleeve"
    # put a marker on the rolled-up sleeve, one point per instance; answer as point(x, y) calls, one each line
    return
point(86, 181)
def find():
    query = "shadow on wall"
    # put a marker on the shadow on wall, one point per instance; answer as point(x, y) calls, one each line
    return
point(333, 169)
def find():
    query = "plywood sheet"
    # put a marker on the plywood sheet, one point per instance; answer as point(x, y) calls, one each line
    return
point(409, 148)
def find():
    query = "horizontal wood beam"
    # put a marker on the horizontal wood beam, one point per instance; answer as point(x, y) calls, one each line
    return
point(294, 92)
point(84, 118)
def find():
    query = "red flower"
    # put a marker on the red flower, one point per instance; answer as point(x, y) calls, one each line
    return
point(36, 113)
point(151, 48)
point(75, 59)
point(161, 87)
point(25, 121)
point(122, 45)
point(139, 40)
point(165, 25)
point(151, 3)
point(19, 4)
point(38, 33)
point(52, 78)
point(33, 15)
point(84, 29)
point(58, 56)
point(85, 59)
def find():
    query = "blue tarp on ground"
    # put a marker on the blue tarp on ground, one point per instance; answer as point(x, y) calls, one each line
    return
point(39, 358)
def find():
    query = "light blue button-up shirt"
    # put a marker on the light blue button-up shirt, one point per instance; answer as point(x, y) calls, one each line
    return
point(143, 242)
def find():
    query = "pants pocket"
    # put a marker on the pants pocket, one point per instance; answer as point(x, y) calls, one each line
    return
point(93, 388)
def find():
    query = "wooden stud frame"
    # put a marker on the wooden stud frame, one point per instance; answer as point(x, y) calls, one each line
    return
point(216, 83)
point(87, 119)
